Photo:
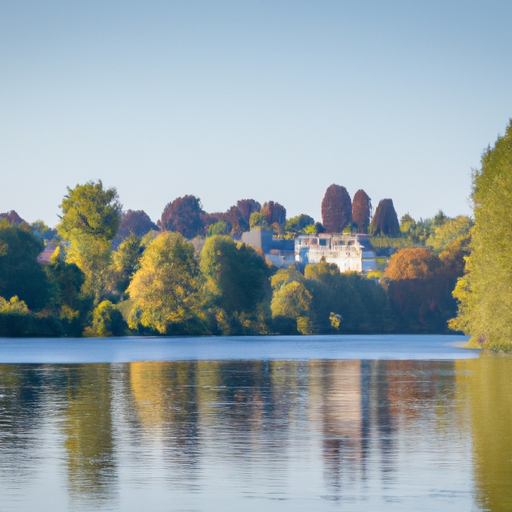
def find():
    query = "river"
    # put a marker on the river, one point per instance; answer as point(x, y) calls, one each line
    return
point(287, 423)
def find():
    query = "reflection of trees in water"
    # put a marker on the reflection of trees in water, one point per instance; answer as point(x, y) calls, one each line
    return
point(22, 393)
point(165, 397)
point(89, 437)
point(488, 383)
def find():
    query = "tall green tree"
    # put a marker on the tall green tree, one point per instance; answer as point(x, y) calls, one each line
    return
point(236, 278)
point(485, 291)
point(90, 219)
point(20, 273)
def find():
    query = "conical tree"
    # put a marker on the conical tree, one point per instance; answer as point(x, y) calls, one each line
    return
point(336, 209)
point(361, 211)
point(385, 220)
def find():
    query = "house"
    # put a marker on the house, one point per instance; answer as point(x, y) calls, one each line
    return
point(350, 252)
point(281, 253)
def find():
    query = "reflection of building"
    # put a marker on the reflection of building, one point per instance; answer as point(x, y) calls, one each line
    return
point(278, 251)
point(351, 253)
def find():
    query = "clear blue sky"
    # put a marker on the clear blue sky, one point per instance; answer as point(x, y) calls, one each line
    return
point(244, 99)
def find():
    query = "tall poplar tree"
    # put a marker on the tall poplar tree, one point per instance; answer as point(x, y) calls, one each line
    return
point(485, 291)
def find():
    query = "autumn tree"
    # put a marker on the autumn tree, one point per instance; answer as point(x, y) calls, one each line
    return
point(136, 222)
point(183, 215)
point(336, 209)
point(274, 213)
point(385, 220)
point(485, 291)
point(361, 211)
point(162, 290)
point(419, 288)
point(12, 216)
point(246, 207)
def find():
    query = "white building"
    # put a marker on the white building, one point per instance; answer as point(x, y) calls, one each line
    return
point(351, 253)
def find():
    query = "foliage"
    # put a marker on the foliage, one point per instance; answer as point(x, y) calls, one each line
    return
point(20, 273)
point(219, 228)
point(236, 277)
point(485, 291)
point(385, 220)
point(336, 209)
point(274, 213)
point(12, 217)
point(412, 263)
point(162, 291)
point(419, 287)
point(183, 215)
point(345, 302)
point(449, 231)
point(92, 255)
point(14, 305)
point(361, 211)
point(106, 321)
point(90, 210)
point(299, 224)
point(258, 220)
point(125, 261)
point(136, 222)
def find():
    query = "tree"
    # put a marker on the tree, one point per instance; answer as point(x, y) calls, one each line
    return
point(136, 222)
point(162, 290)
point(12, 217)
point(336, 209)
point(485, 291)
point(90, 210)
point(275, 213)
point(218, 228)
point(361, 211)
point(412, 263)
point(90, 219)
point(106, 321)
point(183, 215)
point(236, 277)
point(125, 261)
point(419, 288)
point(20, 273)
point(385, 220)
point(299, 224)
point(246, 207)
point(449, 231)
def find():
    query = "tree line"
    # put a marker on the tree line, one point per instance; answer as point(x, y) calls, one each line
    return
point(116, 273)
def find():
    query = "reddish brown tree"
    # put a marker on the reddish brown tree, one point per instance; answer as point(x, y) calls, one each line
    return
point(12, 217)
point(136, 222)
point(246, 207)
point(275, 213)
point(361, 211)
point(183, 215)
point(336, 209)
point(385, 220)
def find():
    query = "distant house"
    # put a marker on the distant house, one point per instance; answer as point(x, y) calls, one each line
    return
point(281, 253)
point(350, 252)
point(47, 254)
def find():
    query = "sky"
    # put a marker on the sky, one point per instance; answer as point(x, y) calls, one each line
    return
point(268, 100)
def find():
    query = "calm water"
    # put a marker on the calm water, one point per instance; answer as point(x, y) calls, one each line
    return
point(307, 434)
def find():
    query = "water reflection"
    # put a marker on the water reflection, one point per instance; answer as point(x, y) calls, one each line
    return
point(487, 384)
point(378, 434)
